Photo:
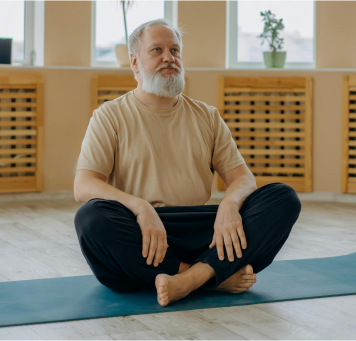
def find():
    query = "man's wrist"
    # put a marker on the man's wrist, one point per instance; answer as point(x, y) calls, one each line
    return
point(229, 201)
point(140, 205)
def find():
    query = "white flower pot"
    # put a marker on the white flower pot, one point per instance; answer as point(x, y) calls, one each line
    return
point(122, 54)
point(274, 59)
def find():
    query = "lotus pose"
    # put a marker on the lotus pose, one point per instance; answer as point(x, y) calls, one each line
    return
point(145, 173)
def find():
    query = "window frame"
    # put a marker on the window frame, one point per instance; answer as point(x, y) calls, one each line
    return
point(232, 43)
point(28, 34)
point(170, 13)
point(33, 35)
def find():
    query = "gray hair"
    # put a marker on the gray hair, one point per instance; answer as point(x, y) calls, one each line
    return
point(134, 41)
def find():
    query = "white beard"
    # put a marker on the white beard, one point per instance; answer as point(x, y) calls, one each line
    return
point(162, 86)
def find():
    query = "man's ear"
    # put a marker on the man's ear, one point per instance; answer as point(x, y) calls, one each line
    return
point(133, 60)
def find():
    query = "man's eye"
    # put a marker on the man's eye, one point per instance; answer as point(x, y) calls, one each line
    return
point(157, 48)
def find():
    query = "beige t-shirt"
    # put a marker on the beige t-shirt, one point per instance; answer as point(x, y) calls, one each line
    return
point(166, 157)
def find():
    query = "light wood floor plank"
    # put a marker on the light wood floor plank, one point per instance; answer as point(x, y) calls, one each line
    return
point(55, 230)
point(18, 333)
point(345, 304)
point(93, 328)
point(319, 318)
point(15, 264)
point(187, 325)
point(144, 335)
point(224, 317)
point(257, 324)
point(62, 259)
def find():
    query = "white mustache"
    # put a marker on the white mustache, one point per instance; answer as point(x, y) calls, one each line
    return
point(168, 65)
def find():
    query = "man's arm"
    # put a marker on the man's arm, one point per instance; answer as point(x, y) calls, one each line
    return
point(89, 184)
point(228, 227)
point(240, 182)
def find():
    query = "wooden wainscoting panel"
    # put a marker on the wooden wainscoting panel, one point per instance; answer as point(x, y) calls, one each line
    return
point(108, 88)
point(348, 153)
point(21, 132)
point(271, 122)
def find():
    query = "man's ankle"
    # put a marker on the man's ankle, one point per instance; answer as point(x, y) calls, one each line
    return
point(183, 267)
point(197, 275)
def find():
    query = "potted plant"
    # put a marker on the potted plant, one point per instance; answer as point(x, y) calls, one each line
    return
point(122, 51)
point(272, 26)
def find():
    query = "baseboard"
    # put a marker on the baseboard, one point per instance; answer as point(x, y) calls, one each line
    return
point(215, 194)
point(45, 195)
point(313, 196)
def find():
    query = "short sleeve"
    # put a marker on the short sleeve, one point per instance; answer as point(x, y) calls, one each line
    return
point(226, 155)
point(99, 144)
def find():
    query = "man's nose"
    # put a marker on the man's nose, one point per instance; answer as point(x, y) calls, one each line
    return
point(167, 57)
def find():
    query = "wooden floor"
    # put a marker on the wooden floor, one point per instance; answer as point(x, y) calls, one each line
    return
point(38, 240)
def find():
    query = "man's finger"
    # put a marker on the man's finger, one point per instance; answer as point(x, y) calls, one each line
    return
point(153, 246)
point(164, 253)
point(236, 242)
point(159, 251)
point(228, 246)
point(220, 246)
point(146, 238)
point(242, 236)
point(213, 242)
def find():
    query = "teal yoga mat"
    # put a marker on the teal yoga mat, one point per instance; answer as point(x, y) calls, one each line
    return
point(83, 297)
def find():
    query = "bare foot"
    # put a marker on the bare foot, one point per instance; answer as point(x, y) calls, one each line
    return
point(170, 288)
point(240, 281)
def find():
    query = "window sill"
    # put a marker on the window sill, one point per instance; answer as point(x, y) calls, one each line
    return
point(64, 67)
point(286, 69)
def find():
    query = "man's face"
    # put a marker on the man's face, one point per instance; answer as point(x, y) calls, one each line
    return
point(159, 46)
point(159, 62)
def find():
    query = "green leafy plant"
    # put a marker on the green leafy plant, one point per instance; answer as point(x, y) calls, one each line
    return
point(271, 29)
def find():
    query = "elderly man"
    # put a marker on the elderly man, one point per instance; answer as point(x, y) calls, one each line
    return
point(145, 173)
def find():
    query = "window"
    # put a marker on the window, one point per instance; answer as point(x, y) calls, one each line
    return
point(245, 24)
point(12, 25)
point(108, 28)
point(17, 20)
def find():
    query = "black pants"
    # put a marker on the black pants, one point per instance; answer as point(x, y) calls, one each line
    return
point(111, 239)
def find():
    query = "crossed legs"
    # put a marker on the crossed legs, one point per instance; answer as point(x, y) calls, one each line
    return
point(111, 242)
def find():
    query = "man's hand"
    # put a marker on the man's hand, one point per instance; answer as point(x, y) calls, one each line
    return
point(227, 229)
point(154, 236)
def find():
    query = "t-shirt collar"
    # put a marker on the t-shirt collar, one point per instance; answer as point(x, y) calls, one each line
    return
point(163, 112)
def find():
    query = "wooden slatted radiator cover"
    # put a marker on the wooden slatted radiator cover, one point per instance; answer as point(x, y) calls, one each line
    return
point(348, 155)
point(271, 120)
point(107, 88)
point(21, 132)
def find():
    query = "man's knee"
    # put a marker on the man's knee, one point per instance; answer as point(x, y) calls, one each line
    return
point(100, 219)
point(88, 220)
point(288, 198)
